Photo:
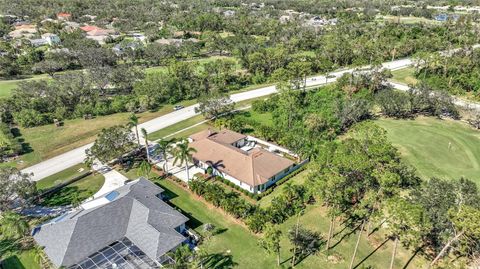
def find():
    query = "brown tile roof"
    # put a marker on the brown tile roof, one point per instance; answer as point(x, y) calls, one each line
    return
point(253, 168)
point(223, 136)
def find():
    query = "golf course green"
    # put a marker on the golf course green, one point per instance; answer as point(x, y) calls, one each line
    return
point(445, 149)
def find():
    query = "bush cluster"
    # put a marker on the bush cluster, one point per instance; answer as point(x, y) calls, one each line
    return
point(292, 200)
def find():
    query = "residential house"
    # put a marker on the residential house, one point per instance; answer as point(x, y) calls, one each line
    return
point(23, 31)
point(98, 34)
point(64, 16)
point(38, 42)
point(229, 13)
point(125, 46)
point(129, 227)
point(234, 157)
point(52, 39)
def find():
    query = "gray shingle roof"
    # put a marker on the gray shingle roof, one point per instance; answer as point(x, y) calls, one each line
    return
point(136, 213)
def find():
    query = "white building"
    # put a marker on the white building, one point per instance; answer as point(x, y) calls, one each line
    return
point(234, 157)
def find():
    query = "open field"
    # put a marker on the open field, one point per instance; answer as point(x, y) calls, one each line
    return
point(407, 20)
point(437, 148)
point(405, 76)
point(237, 246)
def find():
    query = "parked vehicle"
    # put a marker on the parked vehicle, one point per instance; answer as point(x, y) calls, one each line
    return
point(178, 107)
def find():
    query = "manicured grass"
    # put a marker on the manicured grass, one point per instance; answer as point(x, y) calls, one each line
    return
point(162, 69)
point(262, 118)
point(176, 127)
point(296, 180)
point(61, 177)
point(407, 20)
point(437, 148)
point(80, 190)
point(22, 260)
point(236, 245)
point(6, 86)
point(405, 76)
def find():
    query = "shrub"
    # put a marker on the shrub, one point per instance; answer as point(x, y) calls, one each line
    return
point(30, 118)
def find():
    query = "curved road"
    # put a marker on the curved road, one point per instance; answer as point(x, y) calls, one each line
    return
point(76, 156)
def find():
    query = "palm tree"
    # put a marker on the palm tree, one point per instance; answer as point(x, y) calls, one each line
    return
point(183, 154)
point(134, 123)
point(145, 136)
point(163, 148)
point(39, 255)
point(145, 169)
point(13, 225)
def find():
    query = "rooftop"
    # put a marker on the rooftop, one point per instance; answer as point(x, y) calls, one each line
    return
point(253, 167)
point(132, 211)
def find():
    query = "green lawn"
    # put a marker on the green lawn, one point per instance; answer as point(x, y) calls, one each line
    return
point(236, 245)
point(80, 190)
point(405, 76)
point(6, 86)
point(177, 127)
point(296, 180)
point(22, 260)
point(437, 148)
point(407, 20)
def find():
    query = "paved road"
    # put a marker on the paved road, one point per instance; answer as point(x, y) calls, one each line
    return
point(76, 156)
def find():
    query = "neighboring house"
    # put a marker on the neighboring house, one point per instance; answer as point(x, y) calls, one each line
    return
point(71, 26)
point(445, 17)
point(229, 13)
point(169, 41)
point(232, 156)
point(64, 16)
point(318, 21)
point(52, 39)
point(98, 34)
point(130, 227)
point(121, 48)
point(47, 39)
point(139, 37)
point(38, 42)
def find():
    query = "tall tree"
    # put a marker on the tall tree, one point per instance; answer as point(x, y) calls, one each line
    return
point(406, 221)
point(145, 169)
point(12, 225)
point(16, 188)
point(183, 154)
point(147, 149)
point(271, 241)
point(112, 143)
point(133, 123)
point(214, 105)
point(163, 148)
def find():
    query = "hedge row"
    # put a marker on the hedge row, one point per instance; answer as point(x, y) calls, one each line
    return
point(290, 202)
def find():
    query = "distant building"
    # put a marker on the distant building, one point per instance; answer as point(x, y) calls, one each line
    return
point(52, 39)
point(122, 47)
point(129, 227)
point(139, 37)
point(64, 16)
point(98, 34)
point(23, 31)
point(229, 13)
point(444, 17)
point(38, 42)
